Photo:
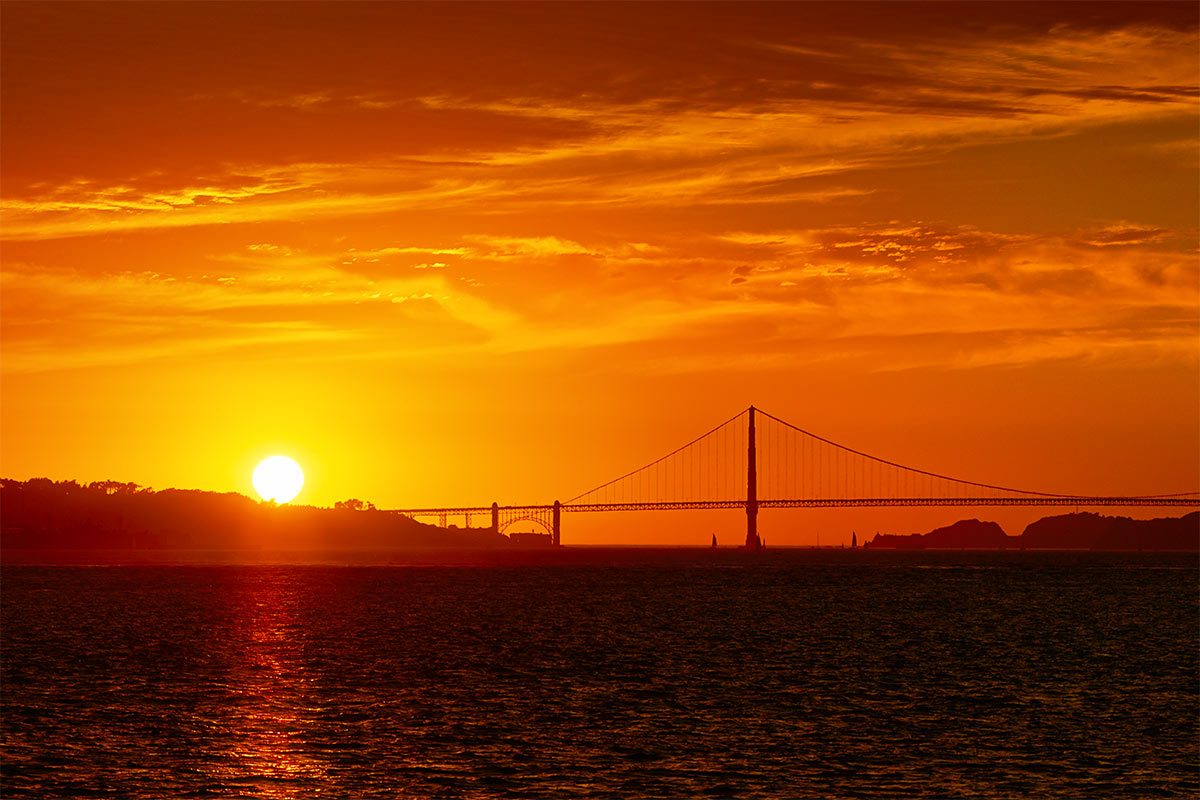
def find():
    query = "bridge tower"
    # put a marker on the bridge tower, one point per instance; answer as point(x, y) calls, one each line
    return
point(556, 526)
point(752, 540)
point(495, 517)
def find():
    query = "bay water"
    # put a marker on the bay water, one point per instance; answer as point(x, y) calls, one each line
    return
point(606, 673)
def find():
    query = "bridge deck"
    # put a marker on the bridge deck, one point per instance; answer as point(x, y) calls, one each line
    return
point(845, 502)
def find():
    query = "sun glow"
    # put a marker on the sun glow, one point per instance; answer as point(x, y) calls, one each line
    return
point(278, 478)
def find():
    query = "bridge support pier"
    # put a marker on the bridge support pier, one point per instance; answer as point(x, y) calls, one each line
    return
point(752, 540)
point(556, 527)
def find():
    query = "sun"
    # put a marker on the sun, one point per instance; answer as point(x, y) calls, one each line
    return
point(278, 478)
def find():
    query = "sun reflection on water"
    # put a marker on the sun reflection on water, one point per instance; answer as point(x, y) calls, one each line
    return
point(265, 715)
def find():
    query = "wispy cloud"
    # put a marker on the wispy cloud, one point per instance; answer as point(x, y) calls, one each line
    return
point(826, 135)
point(860, 186)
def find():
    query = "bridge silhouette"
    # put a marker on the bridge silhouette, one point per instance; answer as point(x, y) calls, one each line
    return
point(755, 460)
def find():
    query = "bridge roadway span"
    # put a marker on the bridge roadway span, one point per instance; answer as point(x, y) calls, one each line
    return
point(847, 502)
point(549, 516)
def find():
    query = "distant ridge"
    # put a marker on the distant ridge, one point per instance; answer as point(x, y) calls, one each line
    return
point(1080, 531)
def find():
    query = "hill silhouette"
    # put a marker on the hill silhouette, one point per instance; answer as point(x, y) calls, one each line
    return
point(1079, 531)
point(1096, 532)
point(41, 514)
point(970, 533)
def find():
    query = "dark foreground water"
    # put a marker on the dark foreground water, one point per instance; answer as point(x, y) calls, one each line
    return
point(608, 674)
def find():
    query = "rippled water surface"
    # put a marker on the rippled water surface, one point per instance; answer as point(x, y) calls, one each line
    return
point(608, 674)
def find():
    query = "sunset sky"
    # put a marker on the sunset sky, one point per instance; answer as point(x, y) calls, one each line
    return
point(457, 253)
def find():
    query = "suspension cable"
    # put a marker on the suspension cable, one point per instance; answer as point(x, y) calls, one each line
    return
point(955, 480)
point(658, 460)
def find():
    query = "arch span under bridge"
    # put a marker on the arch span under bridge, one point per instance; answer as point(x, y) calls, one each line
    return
point(755, 460)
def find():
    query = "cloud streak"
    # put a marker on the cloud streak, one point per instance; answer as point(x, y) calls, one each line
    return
point(875, 178)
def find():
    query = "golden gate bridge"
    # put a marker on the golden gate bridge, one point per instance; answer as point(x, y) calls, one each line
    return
point(755, 460)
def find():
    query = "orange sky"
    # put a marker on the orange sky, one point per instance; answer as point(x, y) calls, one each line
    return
point(456, 253)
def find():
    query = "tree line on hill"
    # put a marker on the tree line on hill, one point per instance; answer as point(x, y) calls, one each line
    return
point(42, 514)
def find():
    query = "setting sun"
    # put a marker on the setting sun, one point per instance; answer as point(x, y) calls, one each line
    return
point(278, 478)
